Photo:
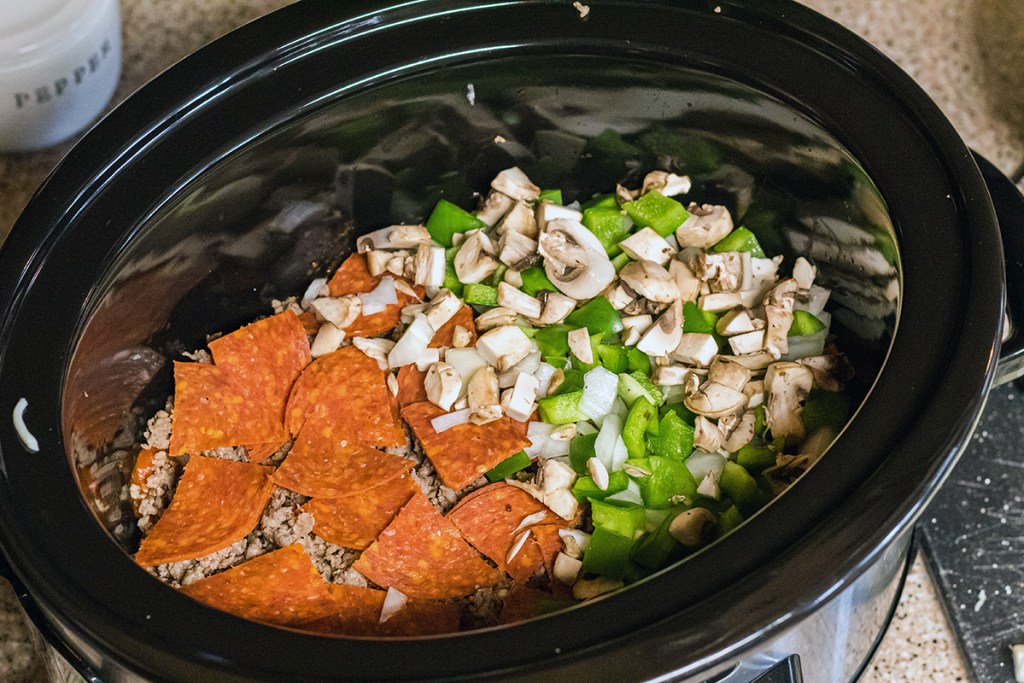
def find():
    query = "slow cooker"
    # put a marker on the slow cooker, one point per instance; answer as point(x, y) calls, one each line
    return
point(240, 173)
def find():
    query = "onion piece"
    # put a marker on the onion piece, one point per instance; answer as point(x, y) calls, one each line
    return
point(609, 446)
point(544, 373)
point(542, 445)
point(466, 362)
point(316, 289)
point(517, 545)
point(393, 601)
point(448, 420)
point(806, 346)
point(700, 464)
point(600, 389)
point(380, 297)
point(630, 495)
point(429, 357)
point(413, 343)
point(530, 520)
point(580, 538)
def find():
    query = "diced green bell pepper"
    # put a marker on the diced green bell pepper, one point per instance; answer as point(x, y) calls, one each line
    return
point(509, 466)
point(760, 420)
point(621, 261)
point(637, 384)
point(601, 201)
point(825, 409)
point(658, 549)
point(553, 196)
point(553, 340)
point(728, 520)
point(561, 409)
point(636, 426)
point(740, 239)
point(573, 381)
point(656, 211)
point(675, 437)
point(609, 226)
point(755, 456)
point(581, 449)
point(638, 361)
point(480, 295)
point(498, 276)
point(598, 316)
point(669, 477)
point(620, 518)
point(447, 219)
point(536, 280)
point(741, 488)
point(613, 357)
point(698, 321)
point(607, 554)
point(451, 279)
point(804, 323)
point(585, 489)
point(684, 413)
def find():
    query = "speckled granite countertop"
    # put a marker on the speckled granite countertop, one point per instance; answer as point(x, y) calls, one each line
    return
point(967, 55)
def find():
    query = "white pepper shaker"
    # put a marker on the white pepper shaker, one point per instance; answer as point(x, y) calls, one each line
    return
point(60, 61)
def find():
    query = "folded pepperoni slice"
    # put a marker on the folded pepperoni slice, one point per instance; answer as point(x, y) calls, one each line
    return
point(359, 613)
point(411, 388)
point(524, 603)
point(324, 462)
point(355, 520)
point(462, 454)
point(217, 502)
point(500, 521)
point(282, 587)
point(462, 318)
point(422, 555)
point(353, 277)
point(347, 391)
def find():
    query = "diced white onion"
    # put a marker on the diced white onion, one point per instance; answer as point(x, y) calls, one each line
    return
point(806, 345)
point(448, 420)
point(429, 357)
point(380, 297)
point(630, 495)
point(544, 374)
point(609, 446)
point(582, 538)
point(619, 409)
point(393, 601)
point(600, 389)
point(466, 362)
point(327, 339)
point(541, 444)
point(413, 343)
point(317, 288)
point(700, 464)
point(530, 520)
point(584, 427)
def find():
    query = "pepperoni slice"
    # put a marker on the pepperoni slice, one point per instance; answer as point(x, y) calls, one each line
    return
point(355, 520)
point(421, 554)
point(524, 603)
point(462, 318)
point(411, 388)
point(348, 392)
point(282, 587)
point(353, 277)
point(359, 611)
point(463, 453)
point(217, 502)
point(493, 520)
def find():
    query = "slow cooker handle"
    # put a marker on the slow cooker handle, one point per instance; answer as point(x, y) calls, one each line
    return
point(1009, 205)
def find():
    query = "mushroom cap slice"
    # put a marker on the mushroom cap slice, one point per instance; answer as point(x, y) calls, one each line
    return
point(664, 336)
point(574, 259)
point(693, 527)
point(715, 400)
point(787, 385)
point(707, 225)
point(651, 281)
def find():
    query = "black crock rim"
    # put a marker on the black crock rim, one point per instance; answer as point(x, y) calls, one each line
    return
point(944, 410)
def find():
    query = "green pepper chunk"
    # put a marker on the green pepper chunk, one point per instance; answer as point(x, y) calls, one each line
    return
point(742, 488)
point(675, 437)
point(614, 357)
point(553, 340)
point(637, 384)
point(656, 211)
point(498, 276)
point(804, 323)
point(623, 519)
point(658, 549)
point(825, 409)
point(609, 226)
point(585, 489)
point(684, 413)
point(553, 196)
point(573, 381)
point(638, 361)
point(536, 280)
point(740, 239)
point(698, 321)
point(562, 408)
point(669, 478)
point(509, 466)
point(601, 201)
point(451, 279)
point(728, 520)
point(761, 420)
point(636, 426)
point(755, 456)
point(447, 219)
point(607, 554)
point(598, 316)
point(481, 295)
point(581, 449)
point(621, 261)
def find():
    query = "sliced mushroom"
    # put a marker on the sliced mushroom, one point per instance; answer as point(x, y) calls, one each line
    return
point(519, 301)
point(736, 321)
point(555, 307)
point(461, 337)
point(377, 261)
point(579, 344)
point(328, 338)
point(624, 195)
point(728, 372)
point(598, 472)
point(755, 393)
point(442, 308)
point(340, 312)
point(688, 283)
point(443, 384)
point(831, 372)
point(518, 251)
point(740, 434)
point(787, 385)
point(804, 273)
point(720, 301)
point(430, 266)
point(706, 435)
point(575, 260)
point(376, 348)
point(647, 245)
point(393, 237)
point(694, 527)
point(747, 343)
point(588, 588)
point(566, 569)
point(484, 400)
point(758, 360)
point(664, 336)
point(620, 296)
point(723, 272)
point(670, 375)
point(714, 400)
point(520, 219)
point(549, 211)
point(695, 348)
point(523, 397)
point(650, 281)
point(516, 184)
point(496, 206)
point(473, 262)
point(778, 309)
point(504, 346)
point(669, 184)
point(495, 317)
point(706, 225)
point(513, 277)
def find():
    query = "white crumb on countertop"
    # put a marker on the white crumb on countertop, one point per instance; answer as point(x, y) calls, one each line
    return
point(982, 597)
point(584, 10)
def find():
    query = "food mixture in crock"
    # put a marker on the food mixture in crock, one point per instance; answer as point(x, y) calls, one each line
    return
point(492, 415)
